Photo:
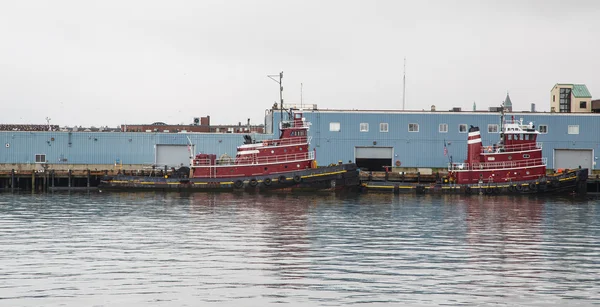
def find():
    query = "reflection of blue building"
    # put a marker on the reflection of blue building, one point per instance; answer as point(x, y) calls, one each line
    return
point(408, 138)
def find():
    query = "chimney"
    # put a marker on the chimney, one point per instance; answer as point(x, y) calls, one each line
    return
point(474, 146)
point(532, 107)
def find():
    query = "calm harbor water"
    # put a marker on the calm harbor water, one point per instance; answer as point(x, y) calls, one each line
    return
point(156, 249)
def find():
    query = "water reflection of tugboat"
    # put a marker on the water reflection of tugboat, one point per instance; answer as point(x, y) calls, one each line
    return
point(513, 165)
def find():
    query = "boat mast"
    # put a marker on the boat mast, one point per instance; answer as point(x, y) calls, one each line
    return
point(272, 77)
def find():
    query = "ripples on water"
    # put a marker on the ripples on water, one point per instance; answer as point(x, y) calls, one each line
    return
point(149, 249)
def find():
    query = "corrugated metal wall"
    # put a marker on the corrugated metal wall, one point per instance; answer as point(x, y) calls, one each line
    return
point(413, 149)
point(107, 147)
point(426, 147)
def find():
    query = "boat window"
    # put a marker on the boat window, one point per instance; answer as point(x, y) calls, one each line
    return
point(526, 156)
point(526, 137)
point(510, 137)
point(334, 126)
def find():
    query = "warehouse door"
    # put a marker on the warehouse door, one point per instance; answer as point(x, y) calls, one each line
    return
point(173, 155)
point(373, 158)
point(573, 158)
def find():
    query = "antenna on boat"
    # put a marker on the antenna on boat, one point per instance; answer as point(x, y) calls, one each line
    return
point(301, 85)
point(273, 77)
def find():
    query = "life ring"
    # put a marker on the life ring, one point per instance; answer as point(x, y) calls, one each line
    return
point(281, 179)
point(398, 163)
point(253, 182)
point(265, 143)
point(267, 181)
point(297, 179)
point(489, 149)
point(238, 184)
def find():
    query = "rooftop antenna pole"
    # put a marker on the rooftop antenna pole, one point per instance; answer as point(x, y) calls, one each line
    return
point(48, 122)
point(404, 86)
point(272, 77)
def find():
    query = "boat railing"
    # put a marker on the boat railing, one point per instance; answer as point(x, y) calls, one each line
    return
point(293, 124)
point(497, 165)
point(511, 148)
point(298, 140)
point(255, 160)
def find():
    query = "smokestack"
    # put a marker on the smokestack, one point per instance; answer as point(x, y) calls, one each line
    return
point(533, 108)
point(474, 146)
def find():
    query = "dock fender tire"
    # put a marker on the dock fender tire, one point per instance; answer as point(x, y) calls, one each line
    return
point(297, 179)
point(253, 182)
point(281, 179)
point(238, 184)
point(267, 181)
point(467, 190)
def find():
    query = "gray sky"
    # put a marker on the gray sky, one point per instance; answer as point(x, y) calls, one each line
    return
point(139, 61)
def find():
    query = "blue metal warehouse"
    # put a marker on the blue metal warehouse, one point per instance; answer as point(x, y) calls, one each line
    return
point(408, 138)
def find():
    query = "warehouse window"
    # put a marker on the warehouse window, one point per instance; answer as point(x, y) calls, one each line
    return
point(492, 128)
point(40, 158)
point(573, 129)
point(364, 127)
point(443, 128)
point(462, 128)
point(383, 127)
point(543, 129)
point(412, 127)
point(334, 127)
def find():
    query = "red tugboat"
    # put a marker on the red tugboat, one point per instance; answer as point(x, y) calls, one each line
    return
point(283, 163)
point(514, 165)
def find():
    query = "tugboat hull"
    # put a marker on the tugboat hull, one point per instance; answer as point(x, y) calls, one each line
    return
point(568, 182)
point(331, 178)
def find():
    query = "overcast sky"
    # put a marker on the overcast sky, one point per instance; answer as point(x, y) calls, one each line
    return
point(138, 61)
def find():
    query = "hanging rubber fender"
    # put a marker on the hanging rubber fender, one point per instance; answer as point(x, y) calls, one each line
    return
point(238, 184)
point(532, 186)
point(468, 190)
point(297, 179)
point(267, 181)
point(519, 187)
point(398, 163)
point(555, 183)
point(281, 179)
point(253, 182)
point(489, 190)
point(512, 188)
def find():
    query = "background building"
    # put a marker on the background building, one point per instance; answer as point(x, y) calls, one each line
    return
point(570, 98)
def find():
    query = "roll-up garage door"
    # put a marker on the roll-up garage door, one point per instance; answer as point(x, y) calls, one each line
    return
point(373, 158)
point(173, 155)
point(573, 158)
